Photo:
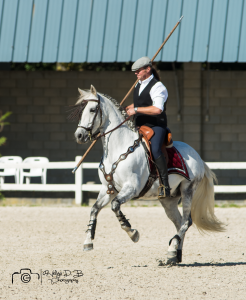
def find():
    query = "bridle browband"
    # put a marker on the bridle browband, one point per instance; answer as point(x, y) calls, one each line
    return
point(90, 128)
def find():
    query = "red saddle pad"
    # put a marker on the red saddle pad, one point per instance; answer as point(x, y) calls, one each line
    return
point(176, 164)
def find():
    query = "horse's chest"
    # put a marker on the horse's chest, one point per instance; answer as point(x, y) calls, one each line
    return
point(109, 169)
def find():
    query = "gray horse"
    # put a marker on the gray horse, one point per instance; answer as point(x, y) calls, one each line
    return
point(124, 172)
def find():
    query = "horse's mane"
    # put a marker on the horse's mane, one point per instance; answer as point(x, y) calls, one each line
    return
point(77, 109)
point(121, 110)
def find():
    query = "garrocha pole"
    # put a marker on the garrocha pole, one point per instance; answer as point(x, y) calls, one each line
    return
point(127, 95)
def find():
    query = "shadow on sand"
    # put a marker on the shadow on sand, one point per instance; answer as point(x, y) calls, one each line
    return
point(199, 265)
point(212, 264)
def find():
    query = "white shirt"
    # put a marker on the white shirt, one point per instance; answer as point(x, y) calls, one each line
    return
point(158, 92)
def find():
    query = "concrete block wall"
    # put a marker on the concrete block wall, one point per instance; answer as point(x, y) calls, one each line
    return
point(191, 111)
point(224, 135)
point(225, 130)
point(40, 101)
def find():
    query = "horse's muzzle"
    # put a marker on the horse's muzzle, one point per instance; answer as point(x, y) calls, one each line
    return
point(81, 136)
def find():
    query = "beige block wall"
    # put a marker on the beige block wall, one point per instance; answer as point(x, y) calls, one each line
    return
point(224, 137)
point(224, 133)
point(191, 112)
point(40, 101)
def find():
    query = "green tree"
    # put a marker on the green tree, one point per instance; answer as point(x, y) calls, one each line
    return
point(3, 138)
point(2, 124)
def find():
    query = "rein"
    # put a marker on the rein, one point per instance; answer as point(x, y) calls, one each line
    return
point(101, 135)
point(90, 128)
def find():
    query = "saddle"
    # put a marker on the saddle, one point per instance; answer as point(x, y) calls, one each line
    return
point(147, 133)
point(175, 162)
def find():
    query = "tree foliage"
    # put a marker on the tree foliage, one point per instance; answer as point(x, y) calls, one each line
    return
point(3, 138)
point(2, 124)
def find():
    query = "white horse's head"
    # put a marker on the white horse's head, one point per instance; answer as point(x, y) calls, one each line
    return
point(88, 112)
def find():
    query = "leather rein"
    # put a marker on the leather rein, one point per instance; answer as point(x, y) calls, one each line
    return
point(93, 137)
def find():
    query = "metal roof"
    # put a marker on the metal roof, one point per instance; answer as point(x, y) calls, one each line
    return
point(122, 30)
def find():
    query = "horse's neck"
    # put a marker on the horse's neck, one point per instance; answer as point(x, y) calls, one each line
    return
point(118, 141)
point(112, 116)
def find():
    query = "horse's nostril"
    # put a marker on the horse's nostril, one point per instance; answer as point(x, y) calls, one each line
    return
point(80, 136)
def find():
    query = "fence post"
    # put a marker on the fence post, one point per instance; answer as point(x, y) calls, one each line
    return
point(78, 182)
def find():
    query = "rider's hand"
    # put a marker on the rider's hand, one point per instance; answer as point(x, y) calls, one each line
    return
point(130, 110)
point(129, 106)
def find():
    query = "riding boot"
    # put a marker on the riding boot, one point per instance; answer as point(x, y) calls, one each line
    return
point(162, 168)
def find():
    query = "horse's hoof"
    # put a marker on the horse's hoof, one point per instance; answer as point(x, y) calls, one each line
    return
point(88, 247)
point(172, 258)
point(134, 235)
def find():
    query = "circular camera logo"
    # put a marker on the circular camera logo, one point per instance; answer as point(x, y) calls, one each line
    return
point(25, 277)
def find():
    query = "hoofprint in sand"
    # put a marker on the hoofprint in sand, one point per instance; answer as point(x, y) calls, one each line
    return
point(51, 238)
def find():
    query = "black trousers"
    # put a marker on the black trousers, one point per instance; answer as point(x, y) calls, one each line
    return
point(157, 141)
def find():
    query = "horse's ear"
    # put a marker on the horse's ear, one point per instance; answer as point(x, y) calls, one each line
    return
point(93, 90)
point(82, 93)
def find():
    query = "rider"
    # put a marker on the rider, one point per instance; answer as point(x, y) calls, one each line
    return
point(150, 98)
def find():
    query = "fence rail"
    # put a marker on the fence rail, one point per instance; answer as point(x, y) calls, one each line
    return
point(79, 187)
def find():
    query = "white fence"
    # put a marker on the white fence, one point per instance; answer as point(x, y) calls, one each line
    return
point(79, 187)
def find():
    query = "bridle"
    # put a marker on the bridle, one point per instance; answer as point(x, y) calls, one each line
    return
point(90, 128)
point(109, 176)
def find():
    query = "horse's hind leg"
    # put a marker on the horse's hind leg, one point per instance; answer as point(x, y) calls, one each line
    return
point(176, 243)
point(102, 200)
point(171, 208)
point(126, 193)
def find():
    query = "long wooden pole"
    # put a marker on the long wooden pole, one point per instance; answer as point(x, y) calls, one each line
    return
point(129, 92)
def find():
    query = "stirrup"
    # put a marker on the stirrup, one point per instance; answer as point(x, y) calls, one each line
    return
point(164, 191)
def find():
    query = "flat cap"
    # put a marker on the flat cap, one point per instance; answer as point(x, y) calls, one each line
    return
point(141, 62)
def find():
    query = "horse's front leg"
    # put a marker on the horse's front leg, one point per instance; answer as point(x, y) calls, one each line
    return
point(102, 200)
point(127, 192)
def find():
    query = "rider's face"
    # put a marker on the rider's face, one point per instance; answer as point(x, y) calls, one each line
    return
point(143, 73)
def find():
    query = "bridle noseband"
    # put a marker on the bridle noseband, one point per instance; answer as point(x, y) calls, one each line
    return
point(90, 128)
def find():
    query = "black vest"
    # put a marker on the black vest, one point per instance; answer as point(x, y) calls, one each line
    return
point(144, 100)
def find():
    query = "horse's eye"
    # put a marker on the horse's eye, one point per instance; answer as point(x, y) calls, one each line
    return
point(92, 110)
